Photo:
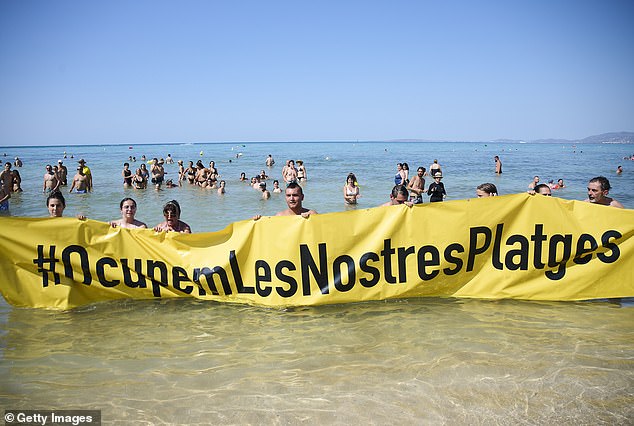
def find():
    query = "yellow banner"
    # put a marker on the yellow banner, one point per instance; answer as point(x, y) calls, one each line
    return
point(515, 246)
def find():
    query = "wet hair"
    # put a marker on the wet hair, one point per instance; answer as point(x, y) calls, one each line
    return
point(405, 166)
point(603, 182)
point(124, 200)
point(126, 164)
point(56, 195)
point(421, 168)
point(351, 175)
point(278, 182)
point(399, 189)
point(172, 206)
point(489, 188)
point(539, 187)
point(294, 185)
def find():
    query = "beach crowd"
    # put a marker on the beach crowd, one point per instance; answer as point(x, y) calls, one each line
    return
point(409, 190)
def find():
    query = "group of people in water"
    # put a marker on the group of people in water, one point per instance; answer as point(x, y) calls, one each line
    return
point(407, 190)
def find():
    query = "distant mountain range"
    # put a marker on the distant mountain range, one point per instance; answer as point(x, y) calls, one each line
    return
point(614, 137)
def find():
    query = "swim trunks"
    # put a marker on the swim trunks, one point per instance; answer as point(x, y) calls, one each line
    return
point(81, 191)
point(4, 206)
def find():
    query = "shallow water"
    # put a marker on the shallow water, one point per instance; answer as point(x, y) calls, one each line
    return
point(434, 361)
point(419, 361)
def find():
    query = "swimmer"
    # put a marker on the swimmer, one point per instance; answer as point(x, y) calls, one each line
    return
point(276, 186)
point(294, 199)
point(87, 172)
point(559, 184)
point(126, 173)
point(63, 173)
point(436, 190)
point(351, 189)
point(619, 170)
point(486, 190)
point(543, 189)
point(172, 213)
point(289, 172)
point(5, 194)
point(269, 161)
point(416, 186)
point(169, 183)
point(221, 188)
point(399, 195)
point(80, 182)
point(598, 190)
point(128, 210)
point(301, 171)
point(531, 186)
point(158, 172)
point(265, 192)
point(498, 165)
point(399, 177)
point(139, 181)
point(181, 172)
point(6, 177)
point(56, 204)
point(435, 168)
point(405, 174)
point(51, 183)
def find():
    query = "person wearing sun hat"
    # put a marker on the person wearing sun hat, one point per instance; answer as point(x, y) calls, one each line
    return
point(436, 189)
point(87, 172)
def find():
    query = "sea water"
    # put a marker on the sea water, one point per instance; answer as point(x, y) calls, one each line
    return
point(432, 361)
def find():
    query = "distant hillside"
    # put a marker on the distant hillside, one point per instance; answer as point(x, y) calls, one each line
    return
point(614, 137)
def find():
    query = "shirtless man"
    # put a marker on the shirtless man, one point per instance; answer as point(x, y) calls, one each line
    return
point(270, 161)
point(63, 173)
point(498, 165)
point(543, 189)
point(128, 210)
point(533, 184)
point(87, 172)
point(294, 198)
point(158, 172)
point(51, 183)
point(80, 182)
point(399, 195)
point(265, 192)
point(416, 186)
point(598, 189)
point(6, 177)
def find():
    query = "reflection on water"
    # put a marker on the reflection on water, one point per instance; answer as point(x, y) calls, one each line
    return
point(396, 362)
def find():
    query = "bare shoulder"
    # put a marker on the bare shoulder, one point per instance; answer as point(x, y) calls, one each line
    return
point(617, 204)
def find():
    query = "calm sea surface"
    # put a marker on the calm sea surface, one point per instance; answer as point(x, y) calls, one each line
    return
point(416, 361)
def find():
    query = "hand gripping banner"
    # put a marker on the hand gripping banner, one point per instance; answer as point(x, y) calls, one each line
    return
point(515, 246)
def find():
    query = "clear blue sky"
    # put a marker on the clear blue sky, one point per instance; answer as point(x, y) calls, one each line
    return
point(137, 71)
